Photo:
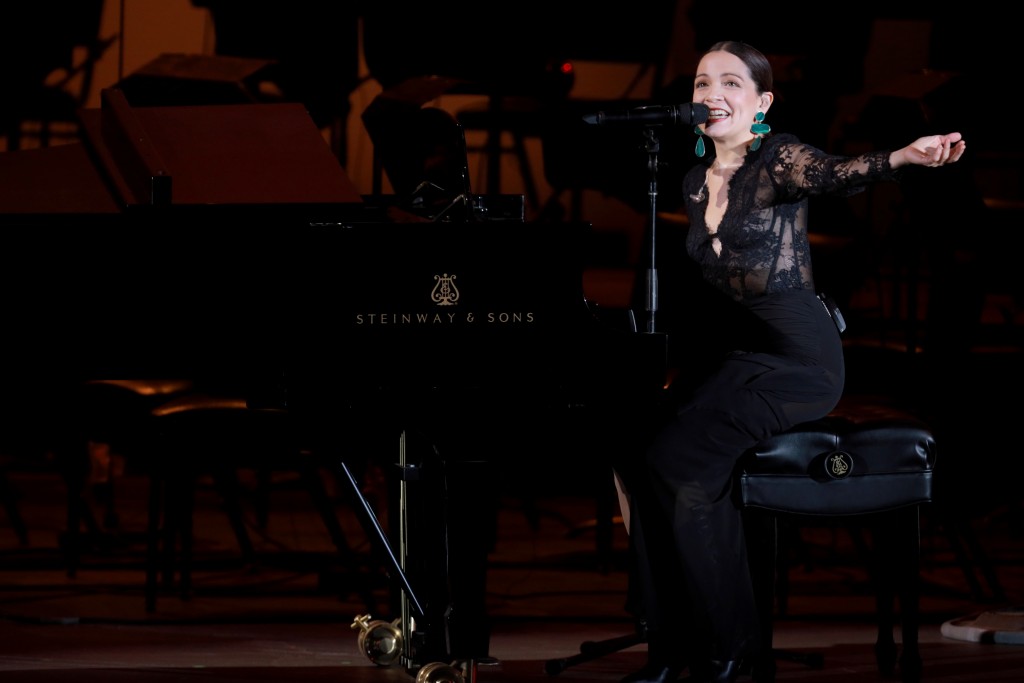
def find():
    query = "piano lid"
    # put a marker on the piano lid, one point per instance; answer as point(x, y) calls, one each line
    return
point(198, 157)
point(59, 180)
point(218, 154)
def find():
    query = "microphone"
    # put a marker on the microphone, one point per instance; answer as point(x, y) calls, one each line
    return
point(687, 114)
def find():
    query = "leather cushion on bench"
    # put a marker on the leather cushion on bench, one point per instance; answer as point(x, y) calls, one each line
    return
point(863, 457)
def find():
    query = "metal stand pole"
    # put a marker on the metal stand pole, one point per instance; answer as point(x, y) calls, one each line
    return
point(653, 146)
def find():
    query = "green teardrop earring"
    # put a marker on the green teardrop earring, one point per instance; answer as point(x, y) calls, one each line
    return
point(758, 128)
point(699, 150)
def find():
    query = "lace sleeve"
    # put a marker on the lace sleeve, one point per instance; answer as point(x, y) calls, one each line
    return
point(799, 170)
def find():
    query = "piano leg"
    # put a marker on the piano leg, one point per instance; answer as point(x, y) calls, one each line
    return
point(469, 524)
point(448, 515)
point(445, 532)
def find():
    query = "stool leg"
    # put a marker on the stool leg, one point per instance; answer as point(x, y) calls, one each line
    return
point(897, 575)
point(909, 592)
point(886, 563)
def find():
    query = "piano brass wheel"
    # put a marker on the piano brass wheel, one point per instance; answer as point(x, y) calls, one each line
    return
point(380, 641)
point(439, 672)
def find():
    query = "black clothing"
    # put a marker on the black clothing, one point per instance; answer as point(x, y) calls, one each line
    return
point(784, 366)
point(764, 229)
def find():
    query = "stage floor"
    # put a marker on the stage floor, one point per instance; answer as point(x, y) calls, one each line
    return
point(288, 616)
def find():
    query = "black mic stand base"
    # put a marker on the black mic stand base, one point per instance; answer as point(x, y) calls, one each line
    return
point(595, 649)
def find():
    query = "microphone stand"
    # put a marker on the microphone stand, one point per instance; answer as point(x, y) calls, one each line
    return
point(592, 650)
point(653, 146)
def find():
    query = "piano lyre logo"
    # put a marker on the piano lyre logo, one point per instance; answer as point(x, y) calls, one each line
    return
point(445, 293)
point(839, 465)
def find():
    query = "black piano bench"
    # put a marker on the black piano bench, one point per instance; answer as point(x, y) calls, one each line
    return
point(866, 463)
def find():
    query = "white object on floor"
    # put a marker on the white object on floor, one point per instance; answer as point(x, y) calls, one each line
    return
point(1003, 626)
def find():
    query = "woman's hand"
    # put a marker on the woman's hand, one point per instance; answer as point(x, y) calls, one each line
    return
point(931, 150)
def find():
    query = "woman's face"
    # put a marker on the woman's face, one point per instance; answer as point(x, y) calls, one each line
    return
point(723, 82)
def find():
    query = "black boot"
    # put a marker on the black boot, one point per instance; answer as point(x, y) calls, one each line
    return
point(654, 673)
point(726, 672)
point(715, 672)
point(665, 660)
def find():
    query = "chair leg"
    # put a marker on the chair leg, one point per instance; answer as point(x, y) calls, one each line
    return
point(9, 498)
point(176, 489)
point(154, 538)
point(322, 502)
point(184, 532)
point(170, 528)
point(72, 457)
point(529, 186)
point(228, 487)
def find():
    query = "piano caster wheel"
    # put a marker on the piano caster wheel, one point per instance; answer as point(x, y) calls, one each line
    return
point(380, 641)
point(439, 672)
point(461, 671)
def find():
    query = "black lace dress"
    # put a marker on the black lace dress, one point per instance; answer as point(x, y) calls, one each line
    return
point(785, 367)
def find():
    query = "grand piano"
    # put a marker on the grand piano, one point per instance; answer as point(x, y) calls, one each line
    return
point(226, 245)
